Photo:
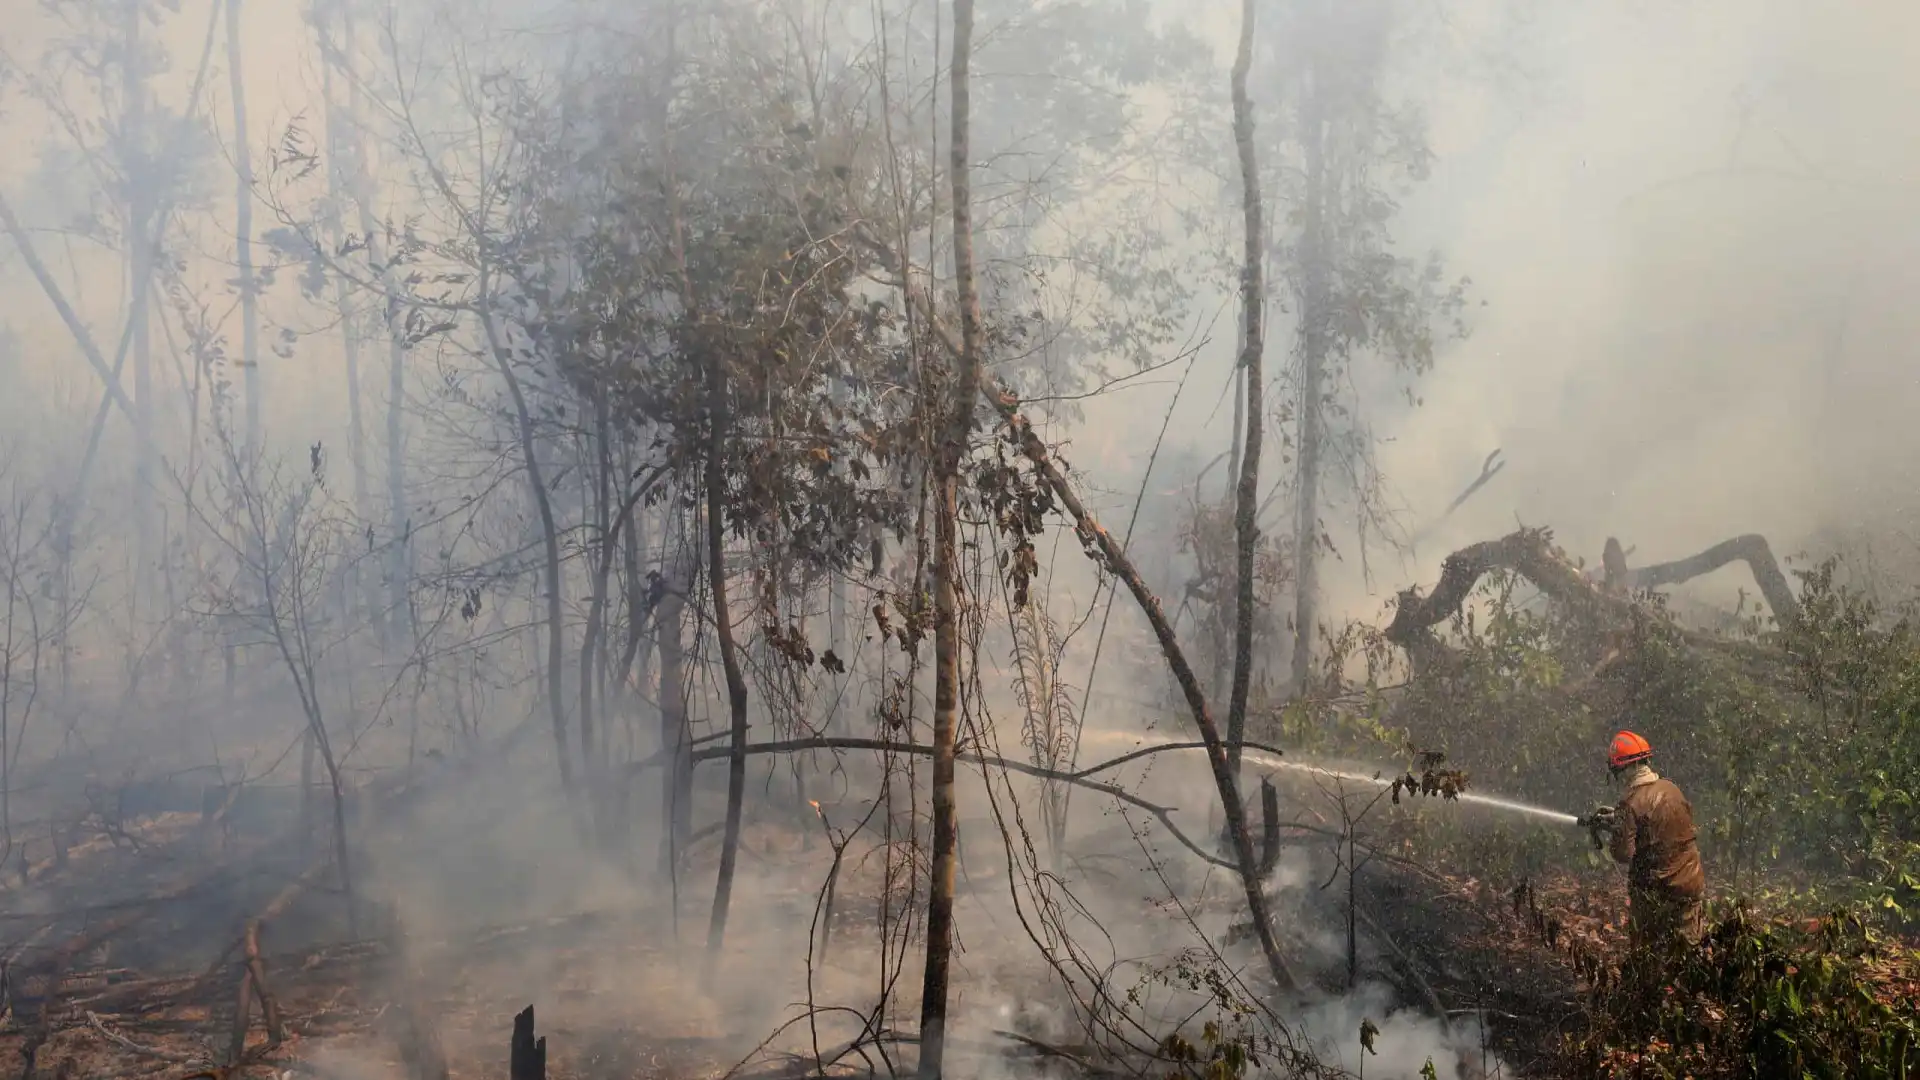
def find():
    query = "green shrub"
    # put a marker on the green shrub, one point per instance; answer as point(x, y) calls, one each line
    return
point(1799, 748)
point(1763, 998)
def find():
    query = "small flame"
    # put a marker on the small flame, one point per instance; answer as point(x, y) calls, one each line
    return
point(814, 804)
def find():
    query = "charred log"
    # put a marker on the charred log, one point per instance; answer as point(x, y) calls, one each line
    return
point(1269, 828)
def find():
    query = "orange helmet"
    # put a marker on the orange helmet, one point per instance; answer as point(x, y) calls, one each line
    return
point(1628, 749)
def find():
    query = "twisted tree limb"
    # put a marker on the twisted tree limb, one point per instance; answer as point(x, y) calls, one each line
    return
point(1751, 549)
point(1527, 552)
point(1604, 606)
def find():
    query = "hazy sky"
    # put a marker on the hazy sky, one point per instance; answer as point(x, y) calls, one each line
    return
point(1691, 224)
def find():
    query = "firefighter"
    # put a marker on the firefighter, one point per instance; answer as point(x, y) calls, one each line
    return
point(1652, 831)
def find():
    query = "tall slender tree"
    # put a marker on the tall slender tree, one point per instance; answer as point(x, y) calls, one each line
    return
point(1313, 348)
point(340, 136)
point(957, 430)
point(249, 285)
point(139, 177)
point(400, 546)
point(1253, 301)
point(1356, 298)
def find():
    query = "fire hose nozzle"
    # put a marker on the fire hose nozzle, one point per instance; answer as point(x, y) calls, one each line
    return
point(1598, 825)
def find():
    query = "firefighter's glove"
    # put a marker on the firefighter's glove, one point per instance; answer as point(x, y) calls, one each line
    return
point(1603, 815)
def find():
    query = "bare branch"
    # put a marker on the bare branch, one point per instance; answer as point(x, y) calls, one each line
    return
point(131, 1047)
point(1082, 778)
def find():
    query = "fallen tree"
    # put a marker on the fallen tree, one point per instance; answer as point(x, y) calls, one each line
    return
point(1527, 552)
point(1605, 607)
point(1751, 549)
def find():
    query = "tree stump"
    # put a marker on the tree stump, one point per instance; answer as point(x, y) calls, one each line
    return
point(528, 1058)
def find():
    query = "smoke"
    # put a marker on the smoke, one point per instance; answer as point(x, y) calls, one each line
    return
point(1689, 227)
point(1691, 282)
point(1136, 926)
point(336, 1058)
point(1406, 1042)
point(1692, 228)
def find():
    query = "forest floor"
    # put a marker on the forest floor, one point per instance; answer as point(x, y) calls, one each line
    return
point(619, 1000)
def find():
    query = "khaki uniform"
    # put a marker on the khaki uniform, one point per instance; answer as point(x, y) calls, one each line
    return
point(1654, 834)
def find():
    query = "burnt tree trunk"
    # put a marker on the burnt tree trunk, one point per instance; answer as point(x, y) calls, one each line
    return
point(636, 595)
point(527, 1057)
point(593, 730)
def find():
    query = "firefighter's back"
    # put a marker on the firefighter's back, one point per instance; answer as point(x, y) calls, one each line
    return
point(1666, 856)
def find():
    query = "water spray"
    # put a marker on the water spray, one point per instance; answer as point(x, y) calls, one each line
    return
point(1270, 761)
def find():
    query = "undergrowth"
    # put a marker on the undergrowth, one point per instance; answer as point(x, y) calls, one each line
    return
point(1762, 997)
